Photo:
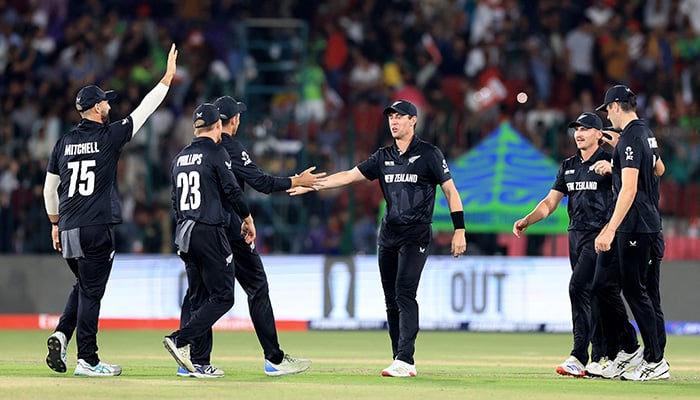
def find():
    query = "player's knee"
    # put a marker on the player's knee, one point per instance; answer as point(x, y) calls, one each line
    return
point(577, 288)
point(391, 305)
point(226, 302)
point(262, 291)
point(225, 299)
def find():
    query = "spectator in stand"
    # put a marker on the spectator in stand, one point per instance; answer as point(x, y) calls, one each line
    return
point(615, 52)
point(689, 11)
point(365, 78)
point(600, 13)
point(8, 184)
point(580, 43)
point(311, 107)
point(657, 14)
point(336, 54)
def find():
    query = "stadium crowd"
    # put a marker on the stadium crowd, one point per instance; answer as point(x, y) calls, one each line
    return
point(467, 65)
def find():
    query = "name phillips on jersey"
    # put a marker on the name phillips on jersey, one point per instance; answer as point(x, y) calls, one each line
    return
point(189, 159)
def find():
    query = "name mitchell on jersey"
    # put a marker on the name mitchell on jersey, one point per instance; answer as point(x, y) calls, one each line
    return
point(76, 149)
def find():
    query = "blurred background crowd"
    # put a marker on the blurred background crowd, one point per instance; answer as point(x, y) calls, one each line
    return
point(316, 75)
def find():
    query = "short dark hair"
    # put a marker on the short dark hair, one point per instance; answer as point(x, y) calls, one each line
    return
point(630, 104)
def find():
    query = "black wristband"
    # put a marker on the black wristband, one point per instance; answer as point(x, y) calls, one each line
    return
point(54, 223)
point(457, 219)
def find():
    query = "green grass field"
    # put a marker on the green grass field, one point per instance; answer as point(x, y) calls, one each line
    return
point(347, 365)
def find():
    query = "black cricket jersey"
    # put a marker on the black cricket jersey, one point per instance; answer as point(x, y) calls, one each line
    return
point(86, 160)
point(636, 149)
point(246, 171)
point(201, 181)
point(590, 194)
point(408, 181)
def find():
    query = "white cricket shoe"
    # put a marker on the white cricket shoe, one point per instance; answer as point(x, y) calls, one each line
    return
point(83, 368)
point(647, 371)
point(288, 366)
point(207, 371)
point(571, 367)
point(623, 362)
point(56, 357)
point(400, 369)
point(595, 368)
point(180, 354)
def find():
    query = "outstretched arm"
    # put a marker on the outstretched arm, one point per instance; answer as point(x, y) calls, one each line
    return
point(339, 179)
point(543, 210)
point(306, 178)
point(156, 96)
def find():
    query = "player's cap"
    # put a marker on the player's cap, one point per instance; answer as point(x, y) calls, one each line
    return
point(229, 107)
point(90, 95)
point(204, 115)
point(587, 120)
point(403, 107)
point(616, 93)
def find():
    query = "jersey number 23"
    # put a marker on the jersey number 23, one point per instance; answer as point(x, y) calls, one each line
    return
point(190, 196)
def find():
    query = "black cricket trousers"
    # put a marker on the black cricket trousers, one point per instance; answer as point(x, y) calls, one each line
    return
point(635, 250)
point(210, 271)
point(618, 332)
point(250, 274)
point(82, 311)
point(402, 253)
point(582, 257)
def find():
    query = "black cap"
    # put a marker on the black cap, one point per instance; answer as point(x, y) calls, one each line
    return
point(588, 120)
point(204, 115)
point(616, 93)
point(90, 95)
point(229, 107)
point(403, 107)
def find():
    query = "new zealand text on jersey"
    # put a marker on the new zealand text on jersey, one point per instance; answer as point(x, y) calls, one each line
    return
point(399, 178)
point(189, 159)
point(75, 149)
point(582, 185)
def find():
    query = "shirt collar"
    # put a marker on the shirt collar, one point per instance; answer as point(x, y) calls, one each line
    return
point(225, 137)
point(87, 122)
point(594, 157)
point(411, 146)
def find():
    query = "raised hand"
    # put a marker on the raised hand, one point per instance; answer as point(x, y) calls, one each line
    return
point(611, 137)
point(171, 67)
point(299, 190)
point(307, 178)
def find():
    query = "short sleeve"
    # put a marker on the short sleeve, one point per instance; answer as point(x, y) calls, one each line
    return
point(631, 150)
point(370, 167)
point(559, 182)
point(52, 165)
point(121, 132)
point(438, 167)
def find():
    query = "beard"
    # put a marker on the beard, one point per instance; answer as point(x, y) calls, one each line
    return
point(105, 117)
